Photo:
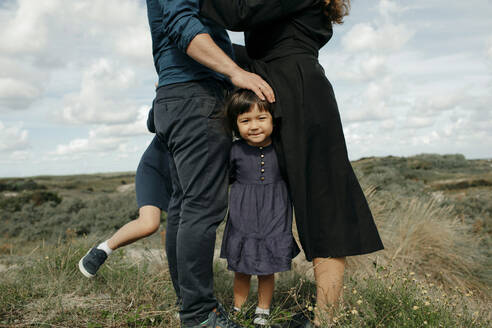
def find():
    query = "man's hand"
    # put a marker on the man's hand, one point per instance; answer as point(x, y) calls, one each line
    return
point(204, 50)
point(246, 80)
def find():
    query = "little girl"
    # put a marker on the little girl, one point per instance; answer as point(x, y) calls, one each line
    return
point(258, 236)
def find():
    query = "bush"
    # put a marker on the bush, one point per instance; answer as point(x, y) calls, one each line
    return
point(435, 161)
point(37, 198)
point(101, 214)
point(20, 185)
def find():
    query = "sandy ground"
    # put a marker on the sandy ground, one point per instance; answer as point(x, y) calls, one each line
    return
point(126, 187)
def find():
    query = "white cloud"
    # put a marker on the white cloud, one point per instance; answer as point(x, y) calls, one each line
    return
point(489, 49)
point(104, 138)
point(139, 127)
point(435, 104)
point(382, 39)
point(20, 86)
point(123, 35)
point(360, 68)
point(82, 147)
point(20, 156)
point(374, 103)
point(102, 98)
point(407, 81)
point(17, 94)
point(388, 8)
point(41, 37)
point(374, 66)
point(13, 138)
point(418, 122)
point(27, 30)
point(135, 43)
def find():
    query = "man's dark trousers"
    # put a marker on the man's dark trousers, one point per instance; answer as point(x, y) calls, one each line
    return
point(188, 119)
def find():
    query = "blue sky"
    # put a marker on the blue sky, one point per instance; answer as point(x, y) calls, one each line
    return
point(76, 82)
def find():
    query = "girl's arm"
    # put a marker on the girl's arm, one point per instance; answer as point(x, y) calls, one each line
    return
point(242, 15)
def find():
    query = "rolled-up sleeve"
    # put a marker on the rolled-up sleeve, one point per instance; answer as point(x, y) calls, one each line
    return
point(181, 22)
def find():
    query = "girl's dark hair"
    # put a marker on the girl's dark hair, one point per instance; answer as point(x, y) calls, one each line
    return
point(336, 10)
point(240, 102)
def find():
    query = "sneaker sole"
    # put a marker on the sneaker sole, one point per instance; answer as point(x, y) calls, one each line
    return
point(83, 270)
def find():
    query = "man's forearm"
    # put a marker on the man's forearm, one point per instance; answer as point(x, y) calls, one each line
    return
point(204, 50)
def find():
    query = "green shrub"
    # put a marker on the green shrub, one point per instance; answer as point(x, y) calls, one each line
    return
point(20, 185)
point(101, 214)
point(435, 161)
point(37, 198)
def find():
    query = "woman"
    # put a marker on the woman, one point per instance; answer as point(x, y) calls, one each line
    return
point(333, 219)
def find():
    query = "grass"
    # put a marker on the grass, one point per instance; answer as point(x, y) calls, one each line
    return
point(434, 214)
point(424, 237)
point(398, 299)
point(46, 289)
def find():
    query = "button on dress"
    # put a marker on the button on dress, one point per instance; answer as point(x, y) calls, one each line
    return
point(258, 236)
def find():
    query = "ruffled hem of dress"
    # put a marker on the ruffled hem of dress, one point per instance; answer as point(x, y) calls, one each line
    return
point(239, 269)
point(259, 256)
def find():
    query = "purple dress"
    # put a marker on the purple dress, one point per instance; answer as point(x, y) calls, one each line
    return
point(258, 236)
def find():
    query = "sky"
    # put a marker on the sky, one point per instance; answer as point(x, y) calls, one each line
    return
point(77, 80)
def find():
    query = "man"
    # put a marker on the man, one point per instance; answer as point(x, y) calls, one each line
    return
point(192, 59)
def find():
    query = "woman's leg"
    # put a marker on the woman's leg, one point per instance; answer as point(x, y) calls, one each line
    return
point(328, 273)
point(266, 285)
point(242, 283)
point(147, 223)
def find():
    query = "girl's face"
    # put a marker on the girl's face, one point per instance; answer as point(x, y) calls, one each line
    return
point(256, 127)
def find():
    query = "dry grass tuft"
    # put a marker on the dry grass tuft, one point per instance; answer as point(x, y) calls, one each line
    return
point(423, 237)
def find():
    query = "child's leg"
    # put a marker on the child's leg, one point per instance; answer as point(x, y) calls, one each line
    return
point(146, 224)
point(242, 283)
point(266, 285)
point(328, 273)
point(152, 184)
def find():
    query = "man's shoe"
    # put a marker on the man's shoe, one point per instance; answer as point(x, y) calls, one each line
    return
point(91, 262)
point(218, 318)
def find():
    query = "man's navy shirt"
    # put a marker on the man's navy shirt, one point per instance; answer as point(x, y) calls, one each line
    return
point(173, 24)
